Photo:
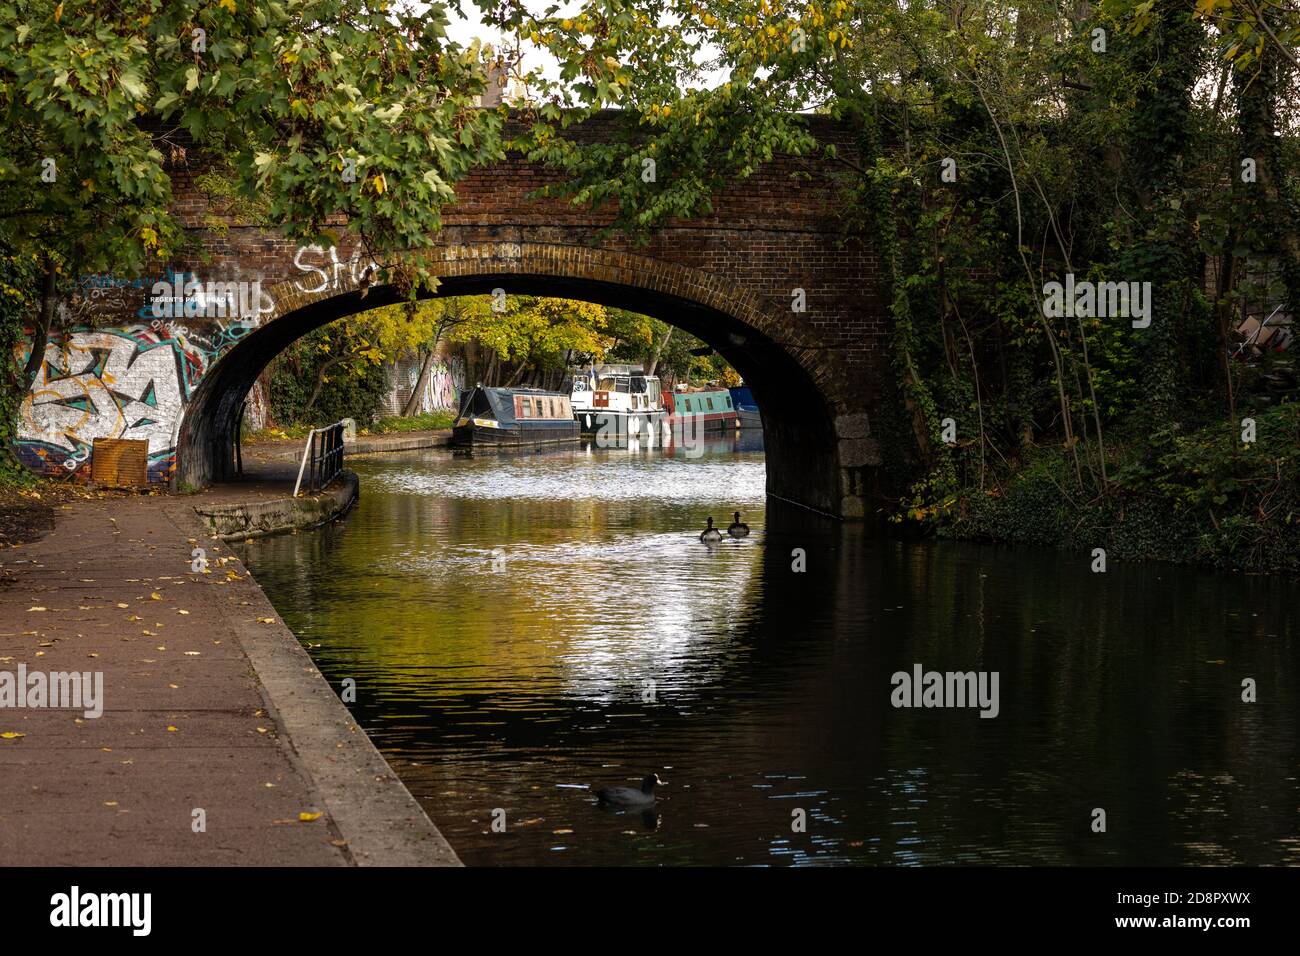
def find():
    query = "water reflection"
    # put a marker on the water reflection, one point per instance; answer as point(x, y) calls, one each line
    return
point(524, 627)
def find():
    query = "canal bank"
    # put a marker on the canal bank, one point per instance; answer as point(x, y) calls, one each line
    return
point(219, 742)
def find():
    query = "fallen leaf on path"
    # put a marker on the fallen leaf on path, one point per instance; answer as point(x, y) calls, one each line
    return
point(11, 735)
point(306, 817)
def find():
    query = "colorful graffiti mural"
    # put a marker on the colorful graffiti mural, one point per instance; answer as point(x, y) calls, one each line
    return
point(116, 383)
point(442, 386)
point(127, 365)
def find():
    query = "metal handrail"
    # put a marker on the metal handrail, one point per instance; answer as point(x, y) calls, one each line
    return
point(324, 449)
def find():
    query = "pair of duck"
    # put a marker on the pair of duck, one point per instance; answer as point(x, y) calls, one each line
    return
point(736, 529)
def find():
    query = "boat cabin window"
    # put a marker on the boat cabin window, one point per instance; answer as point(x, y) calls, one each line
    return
point(606, 385)
point(539, 407)
point(727, 399)
point(527, 408)
point(710, 401)
point(688, 405)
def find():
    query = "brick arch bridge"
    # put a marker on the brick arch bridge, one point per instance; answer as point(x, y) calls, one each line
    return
point(728, 278)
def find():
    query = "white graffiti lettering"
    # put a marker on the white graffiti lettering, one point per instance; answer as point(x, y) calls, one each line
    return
point(324, 280)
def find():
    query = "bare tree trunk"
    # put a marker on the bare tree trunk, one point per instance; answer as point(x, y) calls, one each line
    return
point(659, 350)
point(417, 393)
point(1067, 420)
point(41, 334)
point(514, 379)
point(320, 382)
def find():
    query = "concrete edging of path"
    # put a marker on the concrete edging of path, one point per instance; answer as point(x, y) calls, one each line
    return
point(262, 516)
point(383, 824)
point(378, 445)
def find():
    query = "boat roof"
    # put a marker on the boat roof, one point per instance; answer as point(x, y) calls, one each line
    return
point(501, 401)
point(616, 370)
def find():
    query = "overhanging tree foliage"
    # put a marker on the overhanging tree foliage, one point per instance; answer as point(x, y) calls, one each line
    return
point(324, 110)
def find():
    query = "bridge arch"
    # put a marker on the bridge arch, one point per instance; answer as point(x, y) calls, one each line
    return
point(794, 381)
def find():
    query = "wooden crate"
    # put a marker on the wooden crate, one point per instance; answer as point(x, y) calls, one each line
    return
point(120, 462)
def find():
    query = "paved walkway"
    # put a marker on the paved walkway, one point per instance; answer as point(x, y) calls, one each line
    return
point(209, 704)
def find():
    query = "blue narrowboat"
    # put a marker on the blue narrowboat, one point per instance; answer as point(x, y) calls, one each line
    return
point(746, 408)
point(514, 418)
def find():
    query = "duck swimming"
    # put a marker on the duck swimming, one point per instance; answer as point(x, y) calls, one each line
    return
point(737, 529)
point(710, 534)
point(630, 796)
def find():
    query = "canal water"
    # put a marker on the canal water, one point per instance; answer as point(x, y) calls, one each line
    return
point(524, 628)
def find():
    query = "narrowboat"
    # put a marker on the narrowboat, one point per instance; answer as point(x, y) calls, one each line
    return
point(514, 418)
point(746, 408)
point(706, 409)
point(618, 399)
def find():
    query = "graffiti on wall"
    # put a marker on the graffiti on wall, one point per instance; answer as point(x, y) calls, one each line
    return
point(446, 379)
point(442, 386)
point(133, 376)
point(116, 383)
point(327, 271)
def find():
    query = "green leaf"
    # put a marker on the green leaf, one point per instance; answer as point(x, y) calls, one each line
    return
point(132, 85)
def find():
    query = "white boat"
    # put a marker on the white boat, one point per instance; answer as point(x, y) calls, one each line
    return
point(617, 400)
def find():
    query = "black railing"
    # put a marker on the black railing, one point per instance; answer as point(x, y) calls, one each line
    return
point(322, 459)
